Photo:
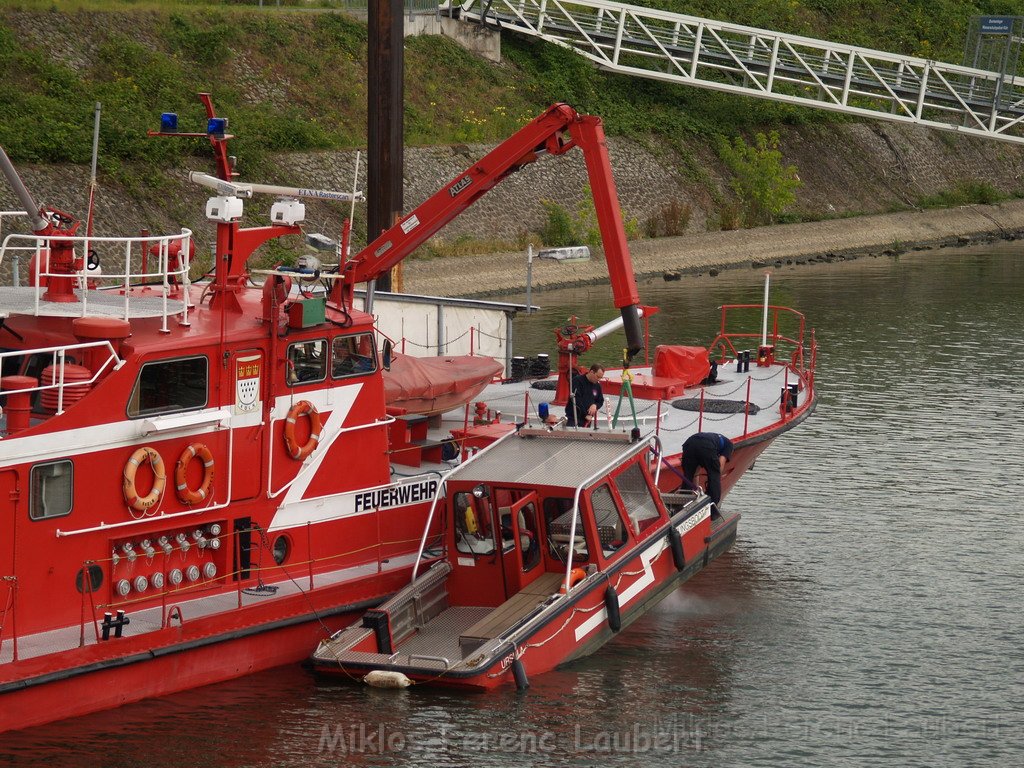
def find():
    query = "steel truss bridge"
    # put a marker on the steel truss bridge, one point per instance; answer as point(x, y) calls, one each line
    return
point(676, 48)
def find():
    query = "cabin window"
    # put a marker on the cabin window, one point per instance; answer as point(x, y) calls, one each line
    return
point(557, 522)
point(307, 361)
point(50, 489)
point(353, 356)
point(169, 386)
point(610, 528)
point(641, 509)
point(474, 533)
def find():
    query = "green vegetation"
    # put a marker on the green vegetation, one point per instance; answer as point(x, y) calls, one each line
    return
point(560, 229)
point(964, 193)
point(467, 245)
point(563, 228)
point(673, 218)
point(47, 99)
point(65, 6)
point(728, 217)
point(765, 187)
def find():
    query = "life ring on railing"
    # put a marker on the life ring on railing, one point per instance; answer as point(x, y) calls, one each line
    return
point(302, 408)
point(576, 575)
point(131, 494)
point(186, 494)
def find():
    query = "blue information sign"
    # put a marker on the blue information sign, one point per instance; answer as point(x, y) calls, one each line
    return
point(996, 25)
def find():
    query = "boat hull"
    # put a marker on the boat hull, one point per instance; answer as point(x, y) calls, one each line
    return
point(579, 630)
point(747, 449)
point(211, 650)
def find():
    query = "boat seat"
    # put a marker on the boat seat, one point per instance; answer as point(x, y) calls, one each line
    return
point(508, 613)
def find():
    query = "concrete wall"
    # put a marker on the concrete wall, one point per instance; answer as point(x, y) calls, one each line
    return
point(481, 40)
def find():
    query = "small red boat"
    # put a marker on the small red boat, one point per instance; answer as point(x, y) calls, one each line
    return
point(552, 542)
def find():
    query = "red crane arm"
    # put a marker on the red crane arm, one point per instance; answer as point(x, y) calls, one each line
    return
point(555, 132)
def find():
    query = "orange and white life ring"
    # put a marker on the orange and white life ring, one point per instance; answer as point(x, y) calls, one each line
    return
point(576, 575)
point(131, 494)
point(186, 494)
point(302, 408)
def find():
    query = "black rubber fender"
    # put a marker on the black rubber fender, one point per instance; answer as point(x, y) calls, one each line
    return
point(611, 604)
point(675, 543)
point(519, 674)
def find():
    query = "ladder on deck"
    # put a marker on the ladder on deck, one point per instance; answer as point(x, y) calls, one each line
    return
point(673, 47)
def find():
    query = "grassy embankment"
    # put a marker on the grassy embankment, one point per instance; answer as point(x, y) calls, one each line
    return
point(297, 81)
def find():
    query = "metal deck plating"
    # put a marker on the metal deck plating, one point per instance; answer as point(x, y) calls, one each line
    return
point(22, 301)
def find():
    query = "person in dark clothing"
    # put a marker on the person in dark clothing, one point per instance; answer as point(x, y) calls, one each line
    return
point(586, 398)
point(711, 451)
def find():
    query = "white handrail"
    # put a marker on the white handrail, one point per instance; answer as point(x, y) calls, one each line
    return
point(322, 448)
point(162, 275)
point(148, 518)
point(59, 356)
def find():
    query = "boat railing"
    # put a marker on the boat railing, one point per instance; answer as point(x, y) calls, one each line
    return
point(156, 262)
point(417, 604)
point(474, 333)
point(786, 330)
point(61, 357)
point(394, 345)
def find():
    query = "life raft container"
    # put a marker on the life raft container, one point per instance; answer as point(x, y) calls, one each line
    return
point(186, 494)
point(131, 493)
point(302, 408)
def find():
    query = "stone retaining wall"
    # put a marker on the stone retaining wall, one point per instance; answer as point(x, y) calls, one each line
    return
point(845, 169)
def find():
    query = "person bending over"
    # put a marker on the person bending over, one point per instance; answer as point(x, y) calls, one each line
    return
point(711, 451)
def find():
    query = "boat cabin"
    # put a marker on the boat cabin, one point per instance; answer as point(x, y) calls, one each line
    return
point(510, 512)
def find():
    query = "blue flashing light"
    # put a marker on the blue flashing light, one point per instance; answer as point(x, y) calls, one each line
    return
point(169, 122)
point(217, 126)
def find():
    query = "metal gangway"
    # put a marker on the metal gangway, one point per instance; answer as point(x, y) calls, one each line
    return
point(726, 57)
